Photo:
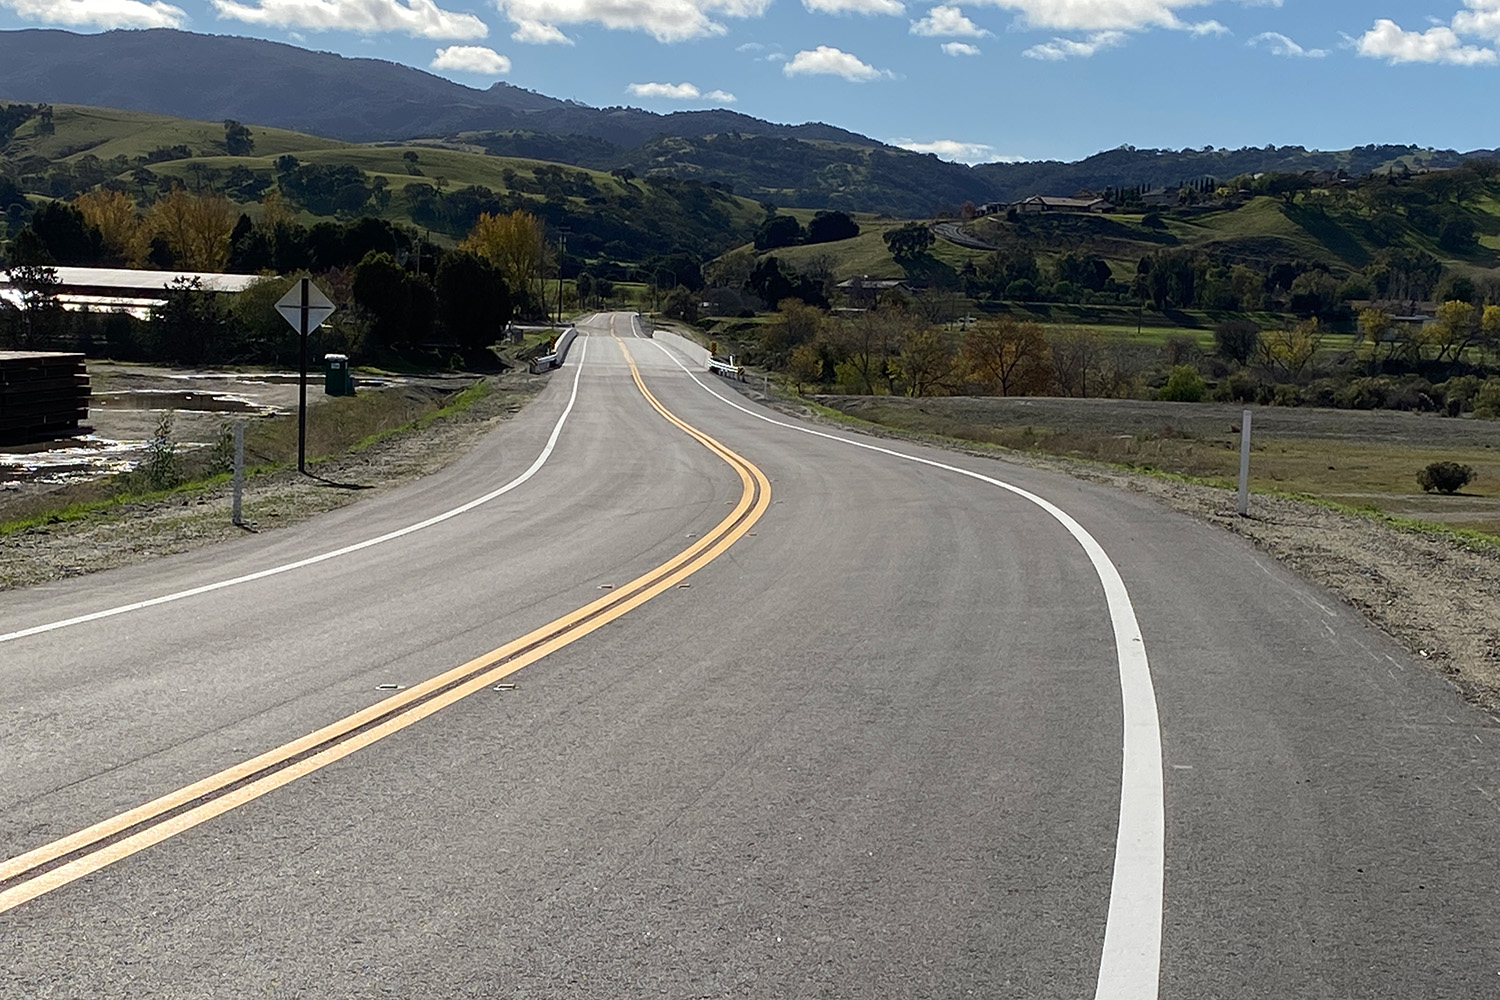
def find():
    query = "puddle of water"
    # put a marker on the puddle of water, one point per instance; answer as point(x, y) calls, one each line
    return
point(76, 460)
point(164, 399)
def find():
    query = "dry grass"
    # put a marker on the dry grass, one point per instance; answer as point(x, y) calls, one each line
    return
point(1353, 458)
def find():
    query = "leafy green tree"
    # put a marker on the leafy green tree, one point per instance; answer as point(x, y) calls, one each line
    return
point(909, 242)
point(776, 232)
point(237, 139)
point(829, 227)
point(66, 234)
point(1184, 385)
point(473, 302)
point(383, 291)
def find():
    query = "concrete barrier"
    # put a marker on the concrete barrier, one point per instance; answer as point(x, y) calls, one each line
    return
point(697, 355)
point(559, 354)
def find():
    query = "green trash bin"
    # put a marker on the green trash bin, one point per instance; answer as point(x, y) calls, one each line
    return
point(338, 380)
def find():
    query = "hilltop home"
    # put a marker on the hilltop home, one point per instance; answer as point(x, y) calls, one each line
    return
point(1042, 203)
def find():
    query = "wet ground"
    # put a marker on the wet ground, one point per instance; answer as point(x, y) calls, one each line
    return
point(129, 401)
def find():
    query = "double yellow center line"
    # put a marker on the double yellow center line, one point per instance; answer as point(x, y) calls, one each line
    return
point(53, 865)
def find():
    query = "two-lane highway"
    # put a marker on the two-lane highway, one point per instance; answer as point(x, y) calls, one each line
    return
point(870, 747)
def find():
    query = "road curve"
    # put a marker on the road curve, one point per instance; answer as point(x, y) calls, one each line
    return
point(872, 749)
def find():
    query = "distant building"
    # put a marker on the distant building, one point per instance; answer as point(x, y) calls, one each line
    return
point(1041, 203)
point(113, 289)
point(864, 293)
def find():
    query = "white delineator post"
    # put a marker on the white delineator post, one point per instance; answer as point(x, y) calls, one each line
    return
point(1245, 465)
point(239, 469)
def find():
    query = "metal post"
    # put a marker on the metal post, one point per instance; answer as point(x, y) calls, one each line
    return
point(239, 469)
point(1245, 465)
point(302, 388)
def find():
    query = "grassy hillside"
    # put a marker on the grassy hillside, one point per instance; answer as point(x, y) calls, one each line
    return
point(429, 187)
point(106, 133)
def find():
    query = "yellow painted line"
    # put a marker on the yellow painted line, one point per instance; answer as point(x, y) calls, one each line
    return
point(473, 676)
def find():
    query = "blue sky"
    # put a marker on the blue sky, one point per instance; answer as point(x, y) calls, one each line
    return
point(973, 81)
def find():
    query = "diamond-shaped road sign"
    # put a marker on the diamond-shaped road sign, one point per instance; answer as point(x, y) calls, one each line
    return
point(305, 306)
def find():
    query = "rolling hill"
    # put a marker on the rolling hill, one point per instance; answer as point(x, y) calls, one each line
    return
point(277, 86)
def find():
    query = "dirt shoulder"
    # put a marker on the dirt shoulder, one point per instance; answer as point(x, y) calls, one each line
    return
point(126, 533)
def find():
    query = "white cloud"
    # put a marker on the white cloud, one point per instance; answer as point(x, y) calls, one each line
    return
point(1203, 28)
point(419, 18)
point(1109, 15)
point(1482, 17)
point(829, 61)
point(537, 33)
point(1441, 44)
point(471, 59)
point(99, 13)
point(951, 149)
point(947, 22)
point(1280, 45)
point(960, 49)
point(1069, 48)
point(855, 6)
point(680, 92)
point(664, 20)
point(749, 47)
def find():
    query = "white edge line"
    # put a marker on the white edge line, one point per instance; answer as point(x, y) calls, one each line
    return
point(336, 553)
point(1130, 967)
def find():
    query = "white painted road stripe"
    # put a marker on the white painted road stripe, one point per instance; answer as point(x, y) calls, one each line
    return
point(1130, 968)
point(336, 553)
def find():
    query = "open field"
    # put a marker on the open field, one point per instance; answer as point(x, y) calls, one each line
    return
point(1360, 459)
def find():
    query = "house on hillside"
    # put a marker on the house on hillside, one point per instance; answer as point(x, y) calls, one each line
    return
point(865, 293)
point(1042, 203)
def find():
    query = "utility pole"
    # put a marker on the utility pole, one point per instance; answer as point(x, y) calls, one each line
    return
point(562, 251)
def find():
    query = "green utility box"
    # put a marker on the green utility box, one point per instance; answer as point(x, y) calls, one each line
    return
point(338, 380)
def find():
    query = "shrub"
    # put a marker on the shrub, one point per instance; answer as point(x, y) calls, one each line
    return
point(1184, 385)
point(1487, 400)
point(1445, 477)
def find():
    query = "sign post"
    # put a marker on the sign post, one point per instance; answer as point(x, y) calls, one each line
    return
point(305, 307)
point(1244, 504)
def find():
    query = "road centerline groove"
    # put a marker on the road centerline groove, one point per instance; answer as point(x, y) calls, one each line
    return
point(524, 477)
point(51, 866)
point(1130, 964)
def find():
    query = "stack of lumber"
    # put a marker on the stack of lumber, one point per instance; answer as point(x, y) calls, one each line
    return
point(43, 396)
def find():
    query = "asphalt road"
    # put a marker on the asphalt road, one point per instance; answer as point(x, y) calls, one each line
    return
point(872, 749)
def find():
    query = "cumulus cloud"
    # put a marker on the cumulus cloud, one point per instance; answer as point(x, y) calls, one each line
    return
point(1109, 15)
point(537, 33)
point(960, 49)
point(1070, 48)
point(1440, 44)
point(947, 22)
point(826, 60)
point(99, 13)
point(471, 59)
point(664, 20)
point(680, 92)
point(418, 18)
point(1481, 17)
point(855, 6)
point(1280, 45)
point(951, 149)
